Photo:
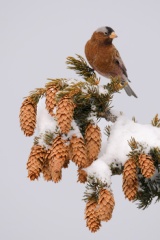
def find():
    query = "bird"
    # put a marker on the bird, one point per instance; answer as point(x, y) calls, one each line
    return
point(105, 59)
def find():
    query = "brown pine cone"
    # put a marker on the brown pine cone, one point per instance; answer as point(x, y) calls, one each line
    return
point(50, 99)
point(146, 165)
point(66, 163)
point(27, 117)
point(129, 171)
point(130, 191)
point(105, 205)
point(82, 176)
point(93, 141)
point(64, 114)
point(130, 181)
point(45, 169)
point(57, 175)
point(35, 161)
point(57, 158)
point(78, 151)
point(92, 221)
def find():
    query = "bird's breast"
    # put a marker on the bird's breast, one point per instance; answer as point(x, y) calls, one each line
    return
point(100, 57)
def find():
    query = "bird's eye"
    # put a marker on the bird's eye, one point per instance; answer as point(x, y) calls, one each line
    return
point(106, 33)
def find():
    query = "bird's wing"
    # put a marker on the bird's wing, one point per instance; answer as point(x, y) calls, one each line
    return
point(120, 63)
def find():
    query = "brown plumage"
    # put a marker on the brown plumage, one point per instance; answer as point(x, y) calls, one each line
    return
point(104, 57)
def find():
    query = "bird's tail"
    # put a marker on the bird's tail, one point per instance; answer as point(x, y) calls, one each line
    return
point(129, 91)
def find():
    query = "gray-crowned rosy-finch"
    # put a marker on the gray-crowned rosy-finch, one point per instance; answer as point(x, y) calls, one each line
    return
point(104, 57)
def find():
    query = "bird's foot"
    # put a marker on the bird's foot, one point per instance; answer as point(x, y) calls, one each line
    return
point(91, 70)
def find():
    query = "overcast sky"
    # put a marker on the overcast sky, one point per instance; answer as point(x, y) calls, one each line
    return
point(36, 37)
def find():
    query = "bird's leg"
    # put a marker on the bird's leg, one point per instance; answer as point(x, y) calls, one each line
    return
point(91, 70)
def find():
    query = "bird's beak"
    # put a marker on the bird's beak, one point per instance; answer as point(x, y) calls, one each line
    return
point(113, 35)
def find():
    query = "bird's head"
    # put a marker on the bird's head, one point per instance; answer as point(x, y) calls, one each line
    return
point(104, 34)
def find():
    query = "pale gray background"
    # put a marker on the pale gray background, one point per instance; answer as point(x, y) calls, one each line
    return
point(36, 36)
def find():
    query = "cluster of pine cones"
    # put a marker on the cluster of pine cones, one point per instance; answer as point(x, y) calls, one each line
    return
point(101, 210)
point(82, 150)
point(130, 178)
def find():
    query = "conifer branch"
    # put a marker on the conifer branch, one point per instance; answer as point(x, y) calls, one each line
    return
point(36, 140)
point(59, 83)
point(156, 121)
point(115, 85)
point(81, 67)
point(37, 94)
point(136, 149)
point(70, 91)
point(149, 189)
point(116, 168)
point(155, 153)
point(48, 137)
point(108, 116)
point(93, 188)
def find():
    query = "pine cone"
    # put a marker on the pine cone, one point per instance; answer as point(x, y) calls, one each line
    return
point(45, 169)
point(130, 182)
point(130, 191)
point(92, 221)
point(146, 165)
point(82, 176)
point(78, 151)
point(105, 205)
point(64, 114)
point(35, 161)
point(93, 141)
point(27, 117)
point(57, 158)
point(129, 171)
point(66, 163)
point(50, 99)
